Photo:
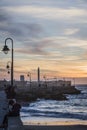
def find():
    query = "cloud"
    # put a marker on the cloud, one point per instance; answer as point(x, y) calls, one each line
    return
point(23, 12)
point(49, 33)
point(33, 51)
point(70, 31)
point(36, 46)
point(47, 12)
point(46, 3)
point(3, 16)
point(19, 31)
point(82, 33)
point(54, 49)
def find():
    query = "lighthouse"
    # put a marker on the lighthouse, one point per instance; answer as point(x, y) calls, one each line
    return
point(38, 75)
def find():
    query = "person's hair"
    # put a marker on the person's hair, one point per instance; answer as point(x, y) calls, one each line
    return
point(11, 102)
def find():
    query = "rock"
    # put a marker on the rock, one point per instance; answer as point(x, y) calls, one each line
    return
point(27, 97)
point(56, 97)
point(56, 94)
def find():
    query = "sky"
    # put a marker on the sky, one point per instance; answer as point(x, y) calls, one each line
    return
point(50, 34)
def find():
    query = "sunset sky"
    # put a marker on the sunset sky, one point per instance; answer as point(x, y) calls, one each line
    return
point(50, 34)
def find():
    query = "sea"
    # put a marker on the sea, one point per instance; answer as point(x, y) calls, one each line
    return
point(73, 109)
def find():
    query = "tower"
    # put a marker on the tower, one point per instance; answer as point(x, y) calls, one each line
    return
point(38, 75)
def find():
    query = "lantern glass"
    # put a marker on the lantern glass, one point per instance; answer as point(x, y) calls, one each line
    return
point(5, 49)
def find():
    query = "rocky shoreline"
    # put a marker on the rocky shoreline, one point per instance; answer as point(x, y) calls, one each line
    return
point(55, 94)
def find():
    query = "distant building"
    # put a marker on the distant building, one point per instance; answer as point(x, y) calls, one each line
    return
point(22, 78)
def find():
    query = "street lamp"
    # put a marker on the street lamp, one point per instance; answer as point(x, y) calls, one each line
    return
point(5, 50)
point(45, 78)
point(29, 75)
point(55, 78)
point(74, 81)
point(8, 66)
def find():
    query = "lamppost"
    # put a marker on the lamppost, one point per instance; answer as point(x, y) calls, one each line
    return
point(5, 50)
point(74, 81)
point(45, 78)
point(8, 67)
point(55, 79)
point(29, 75)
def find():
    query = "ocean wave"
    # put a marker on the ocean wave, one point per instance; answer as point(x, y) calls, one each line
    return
point(58, 115)
point(75, 107)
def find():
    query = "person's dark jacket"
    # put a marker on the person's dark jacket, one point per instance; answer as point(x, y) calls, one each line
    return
point(16, 109)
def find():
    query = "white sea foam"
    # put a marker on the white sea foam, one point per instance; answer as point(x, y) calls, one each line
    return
point(48, 111)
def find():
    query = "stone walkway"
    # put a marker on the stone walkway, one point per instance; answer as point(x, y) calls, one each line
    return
point(3, 106)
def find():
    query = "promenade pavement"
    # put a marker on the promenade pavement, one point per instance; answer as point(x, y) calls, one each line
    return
point(3, 106)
